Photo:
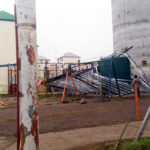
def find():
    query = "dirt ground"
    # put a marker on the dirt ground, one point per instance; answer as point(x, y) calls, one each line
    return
point(93, 138)
point(54, 116)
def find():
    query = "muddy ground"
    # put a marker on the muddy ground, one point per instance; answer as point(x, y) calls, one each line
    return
point(55, 116)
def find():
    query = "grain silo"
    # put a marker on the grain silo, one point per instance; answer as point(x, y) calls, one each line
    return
point(131, 27)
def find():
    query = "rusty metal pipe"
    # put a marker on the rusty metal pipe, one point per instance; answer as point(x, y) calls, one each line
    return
point(16, 34)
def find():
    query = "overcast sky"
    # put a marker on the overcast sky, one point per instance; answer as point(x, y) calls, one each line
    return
point(83, 27)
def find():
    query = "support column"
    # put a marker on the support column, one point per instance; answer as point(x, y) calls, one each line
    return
point(28, 134)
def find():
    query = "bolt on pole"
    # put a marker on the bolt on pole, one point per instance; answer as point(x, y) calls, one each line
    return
point(27, 75)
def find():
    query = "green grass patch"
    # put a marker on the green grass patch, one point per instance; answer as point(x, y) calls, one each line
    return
point(70, 99)
point(142, 144)
point(57, 98)
point(96, 146)
point(48, 95)
point(5, 95)
point(44, 96)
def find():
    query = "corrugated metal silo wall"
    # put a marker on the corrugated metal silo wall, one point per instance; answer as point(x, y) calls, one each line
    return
point(131, 27)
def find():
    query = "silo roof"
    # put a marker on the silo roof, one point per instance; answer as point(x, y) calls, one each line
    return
point(6, 16)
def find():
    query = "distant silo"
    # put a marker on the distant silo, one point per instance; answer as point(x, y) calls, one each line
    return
point(131, 27)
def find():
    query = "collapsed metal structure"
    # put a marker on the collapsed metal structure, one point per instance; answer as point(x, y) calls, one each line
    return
point(145, 80)
point(90, 81)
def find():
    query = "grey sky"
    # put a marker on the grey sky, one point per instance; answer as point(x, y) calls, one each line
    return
point(83, 27)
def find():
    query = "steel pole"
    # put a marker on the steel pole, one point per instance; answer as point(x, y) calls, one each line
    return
point(114, 70)
point(143, 125)
point(17, 62)
point(27, 75)
point(139, 71)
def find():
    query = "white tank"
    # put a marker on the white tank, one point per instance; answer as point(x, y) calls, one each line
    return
point(131, 27)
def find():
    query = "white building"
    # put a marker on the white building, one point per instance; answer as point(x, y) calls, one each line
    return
point(7, 38)
point(67, 58)
point(7, 47)
point(8, 51)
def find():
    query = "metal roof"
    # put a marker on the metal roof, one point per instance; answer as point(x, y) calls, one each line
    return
point(42, 58)
point(69, 54)
point(6, 16)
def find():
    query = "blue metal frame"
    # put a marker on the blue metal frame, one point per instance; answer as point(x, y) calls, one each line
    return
point(110, 76)
point(7, 65)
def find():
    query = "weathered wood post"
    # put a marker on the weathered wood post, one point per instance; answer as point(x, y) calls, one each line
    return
point(26, 45)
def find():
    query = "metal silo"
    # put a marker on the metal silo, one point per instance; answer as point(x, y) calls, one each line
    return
point(131, 27)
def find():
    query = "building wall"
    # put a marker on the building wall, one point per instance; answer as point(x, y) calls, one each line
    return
point(4, 80)
point(8, 54)
point(7, 42)
point(41, 71)
point(41, 67)
point(131, 27)
point(53, 69)
point(7, 51)
point(68, 60)
point(65, 61)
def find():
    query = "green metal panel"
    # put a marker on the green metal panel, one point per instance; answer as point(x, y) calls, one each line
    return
point(6, 16)
point(122, 67)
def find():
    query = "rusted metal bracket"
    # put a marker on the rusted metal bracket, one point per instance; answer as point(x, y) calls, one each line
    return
point(26, 24)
